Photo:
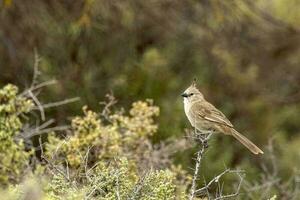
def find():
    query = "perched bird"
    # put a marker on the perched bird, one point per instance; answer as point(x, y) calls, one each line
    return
point(207, 119)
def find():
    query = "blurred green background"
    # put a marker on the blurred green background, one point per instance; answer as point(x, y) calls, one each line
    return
point(245, 55)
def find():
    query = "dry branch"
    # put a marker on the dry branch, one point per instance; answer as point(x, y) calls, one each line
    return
point(203, 140)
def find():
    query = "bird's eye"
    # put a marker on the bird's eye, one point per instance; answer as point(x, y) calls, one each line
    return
point(191, 94)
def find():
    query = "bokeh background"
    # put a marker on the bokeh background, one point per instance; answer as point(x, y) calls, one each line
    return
point(244, 54)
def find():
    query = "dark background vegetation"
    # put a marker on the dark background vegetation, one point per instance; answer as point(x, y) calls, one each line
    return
point(245, 55)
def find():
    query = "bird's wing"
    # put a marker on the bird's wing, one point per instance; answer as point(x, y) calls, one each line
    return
point(210, 113)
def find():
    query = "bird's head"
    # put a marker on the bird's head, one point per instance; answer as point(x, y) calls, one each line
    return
point(192, 93)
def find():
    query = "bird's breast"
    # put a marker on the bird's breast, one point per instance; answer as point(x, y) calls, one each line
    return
point(187, 107)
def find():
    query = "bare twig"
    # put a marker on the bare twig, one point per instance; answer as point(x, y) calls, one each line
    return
point(48, 130)
point(91, 193)
point(237, 192)
point(203, 139)
point(41, 147)
point(27, 131)
point(39, 105)
point(36, 87)
point(51, 164)
point(58, 103)
point(57, 148)
point(36, 71)
point(111, 100)
point(86, 158)
point(34, 83)
point(55, 168)
point(216, 180)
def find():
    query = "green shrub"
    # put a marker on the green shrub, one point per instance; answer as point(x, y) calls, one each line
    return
point(116, 180)
point(102, 156)
point(124, 135)
point(105, 157)
point(13, 158)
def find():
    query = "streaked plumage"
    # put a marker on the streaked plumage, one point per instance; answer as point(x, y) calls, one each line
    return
point(207, 118)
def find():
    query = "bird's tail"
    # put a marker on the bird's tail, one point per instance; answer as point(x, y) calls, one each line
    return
point(246, 142)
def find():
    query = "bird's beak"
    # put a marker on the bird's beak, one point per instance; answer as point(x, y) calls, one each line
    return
point(184, 95)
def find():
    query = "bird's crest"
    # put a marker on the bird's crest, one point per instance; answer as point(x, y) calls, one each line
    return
point(194, 83)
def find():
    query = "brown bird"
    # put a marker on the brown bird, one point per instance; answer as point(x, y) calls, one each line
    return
point(206, 118)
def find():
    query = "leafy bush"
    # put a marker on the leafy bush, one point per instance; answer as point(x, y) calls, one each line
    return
point(122, 136)
point(13, 159)
point(110, 154)
point(103, 157)
point(119, 180)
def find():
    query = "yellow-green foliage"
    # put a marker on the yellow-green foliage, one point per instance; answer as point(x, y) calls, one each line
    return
point(106, 140)
point(158, 185)
point(106, 155)
point(115, 172)
point(115, 151)
point(60, 188)
point(13, 158)
point(108, 181)
point(88, 132)
point(140, 122)
point(116, 180)
point(121, 179)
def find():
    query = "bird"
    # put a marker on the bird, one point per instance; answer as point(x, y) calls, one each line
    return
point(206, 118)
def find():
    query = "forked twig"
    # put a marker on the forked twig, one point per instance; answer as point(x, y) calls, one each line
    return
point(203, 140)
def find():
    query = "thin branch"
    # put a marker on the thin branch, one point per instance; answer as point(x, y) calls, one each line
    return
point(215, 179)
point(200, 153)
point(48, 130)
point(58, 147)
point(41, 145)
point(50, 163)
point(86, 158)
point(26, 132)
point(58, 103)
point(237, 192)
point(111, 100)
point(55, 168)
point(36, 71)
point(39, 105)
point(43, 84)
